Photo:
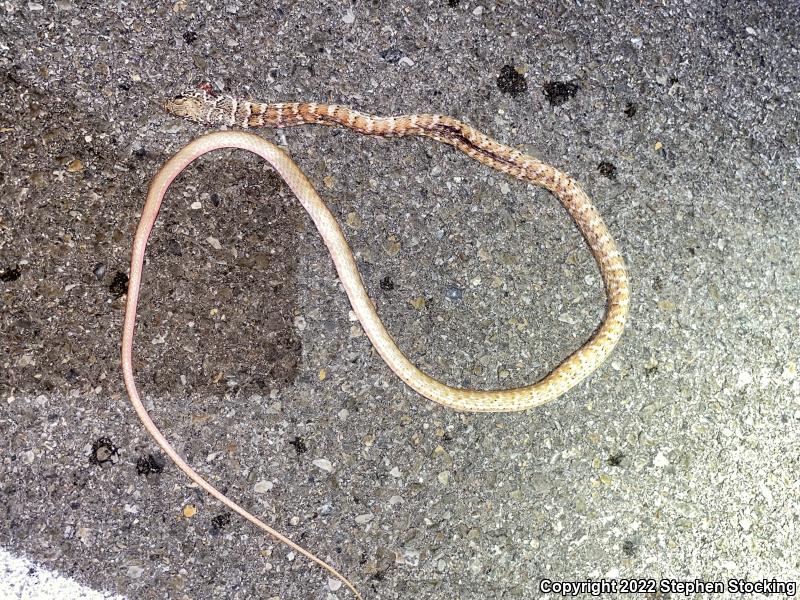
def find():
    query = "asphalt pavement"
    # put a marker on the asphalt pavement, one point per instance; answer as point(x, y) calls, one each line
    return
point(677, 463)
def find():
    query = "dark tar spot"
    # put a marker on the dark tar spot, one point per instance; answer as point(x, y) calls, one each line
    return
point(103, 451)
point(299, 444)
point(151, 463)
point(558, 92)
point(629, 548)
point(119, 286)
point(608, 170)
point(511, 81)
point(10, 274)
point(219, 522)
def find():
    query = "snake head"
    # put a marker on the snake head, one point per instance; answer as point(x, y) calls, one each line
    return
point(189, 104)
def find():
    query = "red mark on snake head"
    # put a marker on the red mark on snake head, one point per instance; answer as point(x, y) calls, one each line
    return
point(207, 88)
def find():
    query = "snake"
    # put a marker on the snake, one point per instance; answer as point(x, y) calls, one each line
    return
point(203, 106)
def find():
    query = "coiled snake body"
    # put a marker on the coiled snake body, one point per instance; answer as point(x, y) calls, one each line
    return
point(202, 107)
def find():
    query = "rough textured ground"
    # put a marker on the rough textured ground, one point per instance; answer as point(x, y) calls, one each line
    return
point(679, 458)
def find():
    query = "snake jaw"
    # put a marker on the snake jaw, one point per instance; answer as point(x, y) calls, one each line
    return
point(201, 106)
point(188, 105)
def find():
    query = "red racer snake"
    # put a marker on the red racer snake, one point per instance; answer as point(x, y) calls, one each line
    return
point(205, 108)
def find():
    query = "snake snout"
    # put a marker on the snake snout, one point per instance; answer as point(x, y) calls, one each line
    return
point(184, 105)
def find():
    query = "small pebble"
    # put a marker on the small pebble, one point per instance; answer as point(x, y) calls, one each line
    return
point(134, 572)
point(353, 220)
point(103, 450)
point(324, 464)
point(83, 534)
point(407, 557)
point(365, 518)
point(744, 379)
point(26, 360)
point(263, 486)
point(453, 293)
point(334, 585)
point(392, 246)
point(392, 55)
point(765, 491)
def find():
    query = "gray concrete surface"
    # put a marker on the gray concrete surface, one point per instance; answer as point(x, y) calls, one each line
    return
point(678, 459)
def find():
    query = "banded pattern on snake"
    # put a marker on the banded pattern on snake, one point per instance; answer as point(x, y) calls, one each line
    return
point(202, 107)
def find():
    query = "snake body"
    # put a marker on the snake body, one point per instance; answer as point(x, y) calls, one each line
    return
point(203, 107)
